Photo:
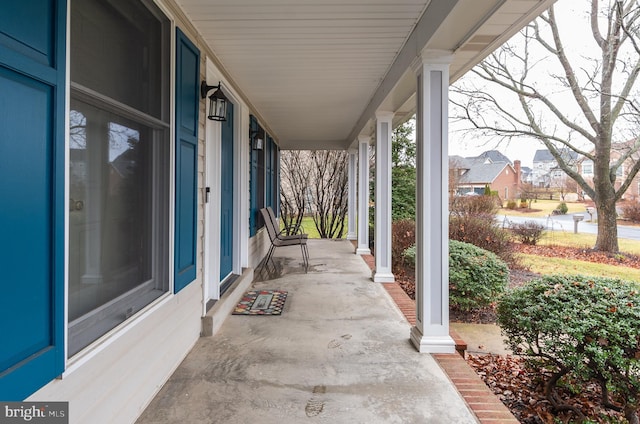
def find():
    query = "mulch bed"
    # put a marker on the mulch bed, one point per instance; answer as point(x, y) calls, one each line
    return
point(522, 392)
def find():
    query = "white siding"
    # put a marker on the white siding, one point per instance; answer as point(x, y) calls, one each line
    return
point(258, 247)
point(116, 383)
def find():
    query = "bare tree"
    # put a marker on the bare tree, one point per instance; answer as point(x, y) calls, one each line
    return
point(294, 183)
point(601, 87)
point(315, 183)
point(329, 189)
point(563, 184)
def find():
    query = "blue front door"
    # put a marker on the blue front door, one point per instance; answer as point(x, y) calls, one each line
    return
point(32, 205)
point(226, 201)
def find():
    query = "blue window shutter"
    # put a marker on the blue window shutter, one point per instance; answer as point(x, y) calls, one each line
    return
point(187, 107)
point(32, 169)
point(269, 172)
point(273, 175)
point(253, 181)
point(277, 181)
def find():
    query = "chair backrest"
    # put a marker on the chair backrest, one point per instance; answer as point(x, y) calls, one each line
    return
point(270, 224)
point(272, 215)
point(289, 231)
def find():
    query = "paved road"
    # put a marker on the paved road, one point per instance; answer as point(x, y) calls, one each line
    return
point(565, 223)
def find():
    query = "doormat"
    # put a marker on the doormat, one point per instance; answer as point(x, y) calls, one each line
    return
point(261, 302)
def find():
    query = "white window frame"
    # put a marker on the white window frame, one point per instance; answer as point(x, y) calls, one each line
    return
point(74, 363)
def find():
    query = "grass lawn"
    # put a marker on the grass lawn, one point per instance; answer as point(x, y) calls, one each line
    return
point(310, 228)
point(543, 208)
point(545, 265)
point(585, 241)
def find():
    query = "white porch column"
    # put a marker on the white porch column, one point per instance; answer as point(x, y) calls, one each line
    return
point(382, 273)
point(353, 190)
point(431, 332)
point(363, 195)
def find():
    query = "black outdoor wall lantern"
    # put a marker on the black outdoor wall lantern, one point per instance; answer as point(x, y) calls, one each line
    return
point(217, 101)
point(258, 140)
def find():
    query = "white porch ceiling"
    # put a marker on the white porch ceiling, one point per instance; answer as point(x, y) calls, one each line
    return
point(316, 71)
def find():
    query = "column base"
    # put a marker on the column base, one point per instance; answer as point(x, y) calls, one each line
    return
point(432, 344)
point(383, 277)
point(363, 251)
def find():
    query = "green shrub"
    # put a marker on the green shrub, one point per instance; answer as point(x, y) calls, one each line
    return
point(409, 255)
point(528, 232)
point(562, 208)
point(511, 204)
point(477, 277)
point(580, 328)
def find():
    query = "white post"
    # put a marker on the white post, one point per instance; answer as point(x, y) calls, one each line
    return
point(363, 195)
point(431, 332)
point(353, 191)
point(382, 273)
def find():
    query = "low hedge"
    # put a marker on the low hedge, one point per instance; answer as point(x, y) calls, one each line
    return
point(477, 277)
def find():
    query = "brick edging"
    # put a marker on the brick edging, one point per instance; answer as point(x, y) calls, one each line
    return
point(486, 406)
point(481, 400)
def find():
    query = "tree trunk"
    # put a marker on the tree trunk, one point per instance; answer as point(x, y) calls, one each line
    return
point(607, 240)
point(605, 197)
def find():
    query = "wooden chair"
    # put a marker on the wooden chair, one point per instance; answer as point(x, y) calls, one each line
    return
point(278, 238)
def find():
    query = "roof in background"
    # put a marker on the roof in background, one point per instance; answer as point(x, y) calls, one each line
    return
point(483, 173)
point(495, 156)
point(544, 155)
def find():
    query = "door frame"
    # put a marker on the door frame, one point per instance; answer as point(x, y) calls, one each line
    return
point(212, 179)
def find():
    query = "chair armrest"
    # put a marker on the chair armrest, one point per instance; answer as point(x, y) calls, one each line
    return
point(297, 229)
point(282, 235)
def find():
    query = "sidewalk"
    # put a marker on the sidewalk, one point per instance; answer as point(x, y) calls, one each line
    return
point(481, 339)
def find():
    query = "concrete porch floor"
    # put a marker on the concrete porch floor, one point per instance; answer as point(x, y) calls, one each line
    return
point(339, 353)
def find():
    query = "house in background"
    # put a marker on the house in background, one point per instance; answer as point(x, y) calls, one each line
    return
point(526, 175)
point(140, 138)
point(618, 150)
point(546, 172)
point(473, 174)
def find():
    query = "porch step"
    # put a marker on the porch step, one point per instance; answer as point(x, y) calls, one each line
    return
point(216, 315)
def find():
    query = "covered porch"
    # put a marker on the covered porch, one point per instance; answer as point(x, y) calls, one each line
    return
point(338, 353)
point(341, 76)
